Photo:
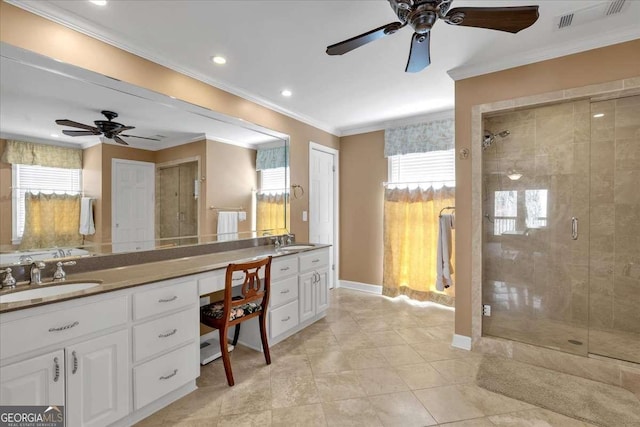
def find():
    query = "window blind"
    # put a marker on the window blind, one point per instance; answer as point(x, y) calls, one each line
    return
point(273, 180)
point(429, 168)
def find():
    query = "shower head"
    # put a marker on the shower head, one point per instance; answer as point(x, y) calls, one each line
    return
point(490, 137)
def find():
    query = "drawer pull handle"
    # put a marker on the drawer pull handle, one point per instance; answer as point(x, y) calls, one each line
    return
point(286, 319)
point(168, 334)
point(173, 298)
point(284, 269)
point(173, 374)
point(56, 369)
point(285, 291)
point(315, 260)
point(75, 362)
point(65, 327)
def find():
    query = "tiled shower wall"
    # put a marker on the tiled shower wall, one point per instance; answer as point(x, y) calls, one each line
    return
point(580, 296)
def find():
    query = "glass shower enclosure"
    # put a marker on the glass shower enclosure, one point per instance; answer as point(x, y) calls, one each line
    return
point(561, 226)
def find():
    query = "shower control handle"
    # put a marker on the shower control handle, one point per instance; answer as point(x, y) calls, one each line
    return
point(574, 228)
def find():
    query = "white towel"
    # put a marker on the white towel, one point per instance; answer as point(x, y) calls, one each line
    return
point(227, 226)
point(444, 267)
point(87, 226)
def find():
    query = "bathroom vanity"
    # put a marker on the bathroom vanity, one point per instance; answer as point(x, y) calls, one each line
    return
point(117, 352)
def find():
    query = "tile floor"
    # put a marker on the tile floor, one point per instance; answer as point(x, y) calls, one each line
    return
point(371, 362)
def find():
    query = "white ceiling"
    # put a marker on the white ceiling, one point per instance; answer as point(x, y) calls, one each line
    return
point(271, 45)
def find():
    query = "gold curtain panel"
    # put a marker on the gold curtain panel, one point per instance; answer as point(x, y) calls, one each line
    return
point(270, 215)
point(27, 153)
point(51, 220)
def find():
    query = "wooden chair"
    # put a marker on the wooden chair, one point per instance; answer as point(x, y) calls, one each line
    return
point(252, 302)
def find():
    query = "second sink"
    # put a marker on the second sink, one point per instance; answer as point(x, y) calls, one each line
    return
point(48, 291)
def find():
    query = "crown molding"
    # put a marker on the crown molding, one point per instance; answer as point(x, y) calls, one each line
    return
point(597, 40)
point(52, 13)
point(403, 121)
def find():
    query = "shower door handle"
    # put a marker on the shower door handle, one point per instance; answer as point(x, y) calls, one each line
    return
point(574, 228)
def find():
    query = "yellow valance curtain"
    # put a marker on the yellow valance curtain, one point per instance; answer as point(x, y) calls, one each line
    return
point(411, 221)
point(27, 153)
point(273, 213)
point(51, 220)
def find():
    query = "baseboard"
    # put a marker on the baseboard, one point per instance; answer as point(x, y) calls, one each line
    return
point(462, 342)
point(362, 287)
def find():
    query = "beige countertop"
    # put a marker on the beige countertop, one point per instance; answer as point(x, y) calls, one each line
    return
point(114, 279)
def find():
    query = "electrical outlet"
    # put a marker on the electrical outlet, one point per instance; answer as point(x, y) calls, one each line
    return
point(304, 216)
point(486, 310)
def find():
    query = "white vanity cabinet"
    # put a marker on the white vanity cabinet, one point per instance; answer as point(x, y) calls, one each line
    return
point(35, 381)
point(314, 284)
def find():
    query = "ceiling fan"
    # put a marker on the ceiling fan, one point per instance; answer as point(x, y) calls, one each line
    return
point(421, 15)
point(108, 128)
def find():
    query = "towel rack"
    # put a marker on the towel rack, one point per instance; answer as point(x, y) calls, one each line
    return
point(444, 209)
point(215, 208)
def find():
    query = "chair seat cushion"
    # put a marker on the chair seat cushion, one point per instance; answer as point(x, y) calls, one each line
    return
point(215, 310)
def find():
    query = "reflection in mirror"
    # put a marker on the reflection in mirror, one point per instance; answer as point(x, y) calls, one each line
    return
point(188, 175)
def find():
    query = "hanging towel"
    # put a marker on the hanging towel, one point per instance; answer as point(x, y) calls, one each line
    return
point(227, 226)
point(444, 267)
point(87, 226)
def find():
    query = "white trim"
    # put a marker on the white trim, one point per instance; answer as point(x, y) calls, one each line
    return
point(362, 287)
point(336, 204)
point(595, 41)
point(461, 341)
point(403, 121)
point(53, 13)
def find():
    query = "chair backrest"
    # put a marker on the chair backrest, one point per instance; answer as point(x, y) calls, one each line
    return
point(254, 287)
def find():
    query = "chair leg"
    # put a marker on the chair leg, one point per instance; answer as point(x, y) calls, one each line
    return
point(263, 336)
point(236, 334)
point(225, 354)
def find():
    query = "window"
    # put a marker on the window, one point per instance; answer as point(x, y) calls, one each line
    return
point(39, 179)
point(506, 211)
point(273, 181)
point(436, 168)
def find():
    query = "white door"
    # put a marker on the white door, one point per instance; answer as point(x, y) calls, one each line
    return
point(323, 166)
point(98, 380)
point(132, 198)
point(306, 295)
point(36, 381)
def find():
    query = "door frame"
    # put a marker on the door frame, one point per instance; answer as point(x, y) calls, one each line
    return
point(336, 206)
point(152, 166)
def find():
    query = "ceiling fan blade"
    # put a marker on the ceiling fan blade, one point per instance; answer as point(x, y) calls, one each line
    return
point(509, 19)
point(79, 132)
point(357, 41)
point(119, 140)
point(123, 128)
point(419, 56)
point(67, 122)
point(141, 137)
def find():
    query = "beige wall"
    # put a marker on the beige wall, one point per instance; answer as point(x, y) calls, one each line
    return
point(363, 169)
point(29, 31)
point(596, 66)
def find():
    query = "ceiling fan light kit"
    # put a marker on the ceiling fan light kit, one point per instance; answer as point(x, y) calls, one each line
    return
point(421, 15)
point(108, 128)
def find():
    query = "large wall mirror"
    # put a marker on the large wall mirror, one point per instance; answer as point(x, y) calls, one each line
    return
point(188, 175)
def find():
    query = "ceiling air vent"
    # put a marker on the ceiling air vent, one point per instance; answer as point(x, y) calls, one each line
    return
point(590, 14)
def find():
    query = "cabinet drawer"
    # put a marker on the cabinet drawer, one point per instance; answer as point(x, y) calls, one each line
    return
point(21, 336)
point(160, 376)
point(283, 318)
point(284, 267)
point(283, 291)
point(212, 282)
point(162, 334)
point(166, 298)
point(315, 259)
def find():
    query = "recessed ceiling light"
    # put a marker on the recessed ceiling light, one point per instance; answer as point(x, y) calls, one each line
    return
point(286, 92)
point(597, 116)
point(513, 175)
point(220, 60)
point(55, 135)
point(99, 2)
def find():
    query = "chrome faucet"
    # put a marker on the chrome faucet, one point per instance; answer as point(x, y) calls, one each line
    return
point(289, 239)
point(277, 243)
point(36, 273)
point(9, 281)
point(60, 274)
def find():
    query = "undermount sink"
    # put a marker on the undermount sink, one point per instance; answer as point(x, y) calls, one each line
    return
point(48, 291)
point(296, 247)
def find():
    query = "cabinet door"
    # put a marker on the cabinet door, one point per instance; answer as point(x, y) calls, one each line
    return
point(98, 380)
point(322, 290)
point(306, 293)
point(36, 381)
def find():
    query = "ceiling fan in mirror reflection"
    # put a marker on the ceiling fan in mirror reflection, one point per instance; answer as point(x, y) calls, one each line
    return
point(108, 128)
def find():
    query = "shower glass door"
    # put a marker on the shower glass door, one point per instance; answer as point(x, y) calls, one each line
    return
point(536, 226)
point(614, 274)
